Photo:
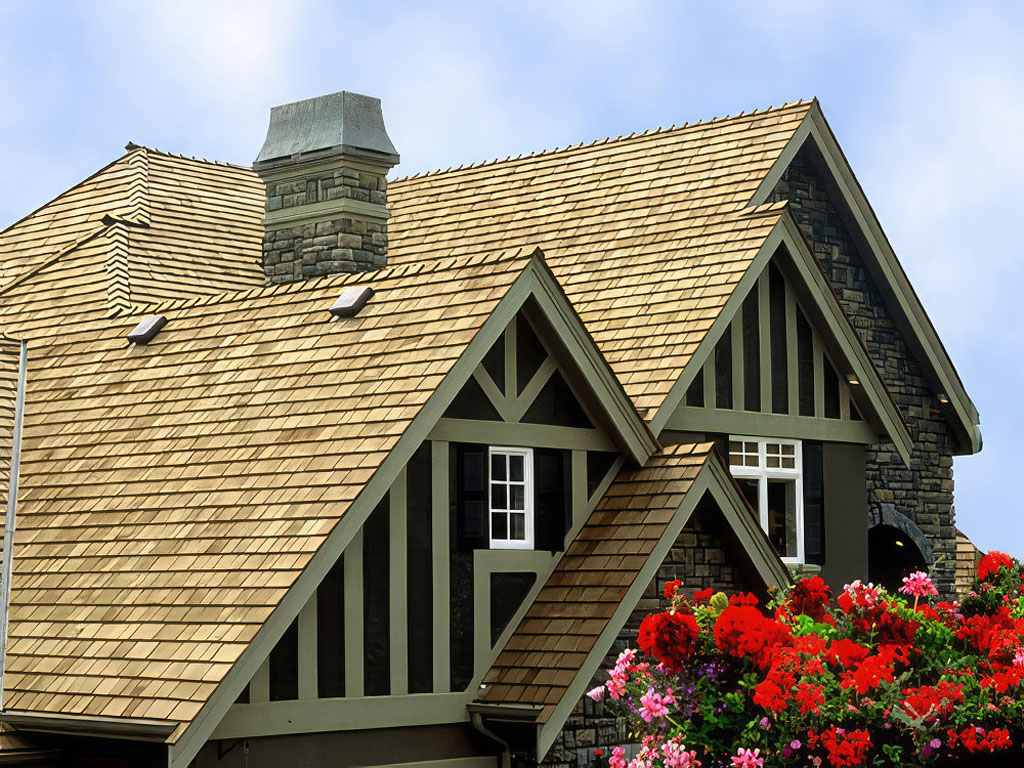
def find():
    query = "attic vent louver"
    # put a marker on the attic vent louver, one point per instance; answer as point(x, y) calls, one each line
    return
point(352, 300)
point(149, 327)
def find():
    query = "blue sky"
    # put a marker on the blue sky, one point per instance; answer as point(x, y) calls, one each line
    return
point(927, 99)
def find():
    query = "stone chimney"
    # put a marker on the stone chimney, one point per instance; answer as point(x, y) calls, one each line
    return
point(324, 165)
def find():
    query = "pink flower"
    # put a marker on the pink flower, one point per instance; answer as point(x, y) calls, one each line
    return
point(676, 755)
point(653, 705)
point(596, 693)
point(918, 585)
point(1018, 658)
point(618, 758)
point(748, 758)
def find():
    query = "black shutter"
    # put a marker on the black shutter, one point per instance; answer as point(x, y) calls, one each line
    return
point(814, 503)
point(470, 491)
point(551, 499)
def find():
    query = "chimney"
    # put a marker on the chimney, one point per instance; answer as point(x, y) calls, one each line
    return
point(324, 164)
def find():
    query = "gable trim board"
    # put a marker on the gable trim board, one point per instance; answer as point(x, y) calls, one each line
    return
point(712, 479)
point(536, 281)
point(820, 302)
point(919, 333)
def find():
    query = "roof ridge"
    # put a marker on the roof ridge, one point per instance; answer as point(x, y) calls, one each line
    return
point(608, 140)
point(397, 270)
point(131, 146)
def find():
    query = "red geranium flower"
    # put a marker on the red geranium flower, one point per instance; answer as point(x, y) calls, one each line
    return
point(669, 637)
point(671, 587)
point(991, 562)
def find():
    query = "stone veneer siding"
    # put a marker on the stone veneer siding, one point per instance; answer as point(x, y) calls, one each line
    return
point(706, 554)
point(341, 243)
point(924, 491)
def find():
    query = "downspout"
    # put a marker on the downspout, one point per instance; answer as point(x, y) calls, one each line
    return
point(12, 501)
point(478, 722)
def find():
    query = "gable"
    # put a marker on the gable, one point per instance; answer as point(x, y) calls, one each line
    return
point(771, 373)
point(814, 138)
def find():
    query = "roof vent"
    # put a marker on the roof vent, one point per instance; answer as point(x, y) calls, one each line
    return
point(149, 327)
point(351, 301)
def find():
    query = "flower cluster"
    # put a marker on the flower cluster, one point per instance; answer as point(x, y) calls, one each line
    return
point(870, 678)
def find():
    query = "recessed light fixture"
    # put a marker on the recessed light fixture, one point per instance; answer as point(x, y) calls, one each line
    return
point(147, 328)
point(851, 378)
point(352, 300)
point(899, 543)
point(943, 398)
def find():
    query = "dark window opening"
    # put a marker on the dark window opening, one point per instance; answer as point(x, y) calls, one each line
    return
point(467, 483)
point(508, 590)
point(598, 465)
point(420, 575)
point(805, 365)
point(751, 353)
point(472, 403)
point(530, 353)
point(814, 502)
point(284, 666)
point(777, 319)
point(695, 392)
point(376, 602)
point(831, 390)
point(330, 633)
point(494, 363)
point(557, 405)
point(723, 371)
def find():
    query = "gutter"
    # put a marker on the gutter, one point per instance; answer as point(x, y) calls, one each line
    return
point(103, 727)
point(12, 502)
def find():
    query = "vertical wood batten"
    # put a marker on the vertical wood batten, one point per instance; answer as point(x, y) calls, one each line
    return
point(398, 604)
point(792, 357)
point(353, 570)
point(764, 315)
point(710, 381)
point(439, 552)
point(259, 686)
point(819, 376)
point(308, 650)
point(738, 372)
point(844, 399)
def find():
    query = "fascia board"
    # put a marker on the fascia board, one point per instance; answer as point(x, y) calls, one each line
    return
point(887, 265)
point(195, 734)
point(839, 325)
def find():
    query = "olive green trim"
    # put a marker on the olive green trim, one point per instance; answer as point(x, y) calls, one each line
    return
point(786, 245)
point(308, 650)
point(528, 435)
point(771, 425)
point(325, 211)
point(922, 336)
point(278, 718)
point(536, 281)
point(259, 686)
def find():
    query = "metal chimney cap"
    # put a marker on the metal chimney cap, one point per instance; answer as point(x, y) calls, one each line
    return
point(339, 123)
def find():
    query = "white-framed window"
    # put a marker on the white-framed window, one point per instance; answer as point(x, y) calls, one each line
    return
point(770, 475)
point(510, 493)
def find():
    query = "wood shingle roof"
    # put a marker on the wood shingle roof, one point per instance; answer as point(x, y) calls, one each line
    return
point(172, 493)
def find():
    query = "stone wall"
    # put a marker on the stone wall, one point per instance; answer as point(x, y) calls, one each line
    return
point(338, 243)
point(706, 554)
point(924, 491)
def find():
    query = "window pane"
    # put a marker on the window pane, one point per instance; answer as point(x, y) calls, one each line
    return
point(788, 462)
point(499, 496)
point(749, 490)
point(734, 446)
point(499, 525)
point(518, 526)
point(772, 461)
point(497, 466)
point(518, 497)
point(751, 461)
point(782, 516)
point(515, 464)
point(788, 450)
